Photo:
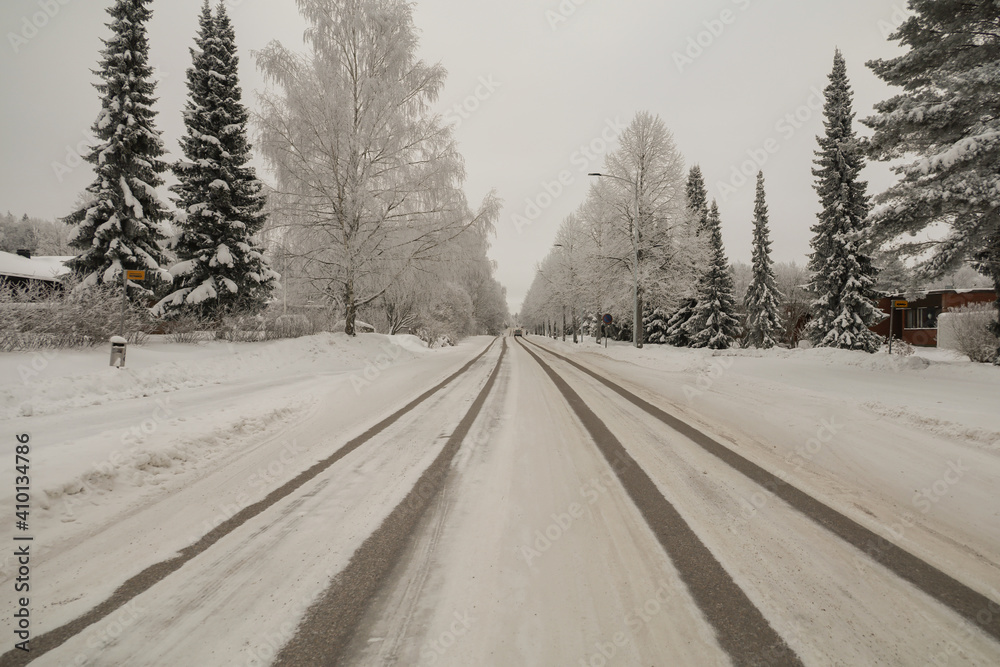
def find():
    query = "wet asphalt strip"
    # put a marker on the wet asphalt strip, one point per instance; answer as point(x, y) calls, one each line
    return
point(325, 632)
point(740, 628)
point(153, 574)
point(983, 612)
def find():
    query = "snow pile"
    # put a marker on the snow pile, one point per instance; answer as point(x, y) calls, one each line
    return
point(136, 462)
point(988, 439)
point(46, 383)
point(836, 357)
point(935, 391)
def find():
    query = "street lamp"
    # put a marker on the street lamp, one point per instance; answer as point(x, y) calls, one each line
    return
point(637, 316)
point(572, 280)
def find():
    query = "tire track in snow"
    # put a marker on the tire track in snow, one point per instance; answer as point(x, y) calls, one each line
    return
point(740, 627)
point(972, 605)
point(152, 575)
point(397, 607)
point(326, 631)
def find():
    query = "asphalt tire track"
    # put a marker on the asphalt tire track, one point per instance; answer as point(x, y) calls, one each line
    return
point(972, 605)
point(740, 627)
point(153, 574)
point(326, 631)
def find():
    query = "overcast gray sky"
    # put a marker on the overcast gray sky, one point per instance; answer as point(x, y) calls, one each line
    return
point(535, 87)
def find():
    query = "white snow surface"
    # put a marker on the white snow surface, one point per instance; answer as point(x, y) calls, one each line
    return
point(87, 410)
point(902, 424)
point(107, 443)
point(186, 435)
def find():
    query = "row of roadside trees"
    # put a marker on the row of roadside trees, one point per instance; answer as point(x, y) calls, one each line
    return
point(645, 230)
point(365, 215)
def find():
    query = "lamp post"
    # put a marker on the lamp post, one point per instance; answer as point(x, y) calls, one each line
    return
point(637, 316)
point(572, 281)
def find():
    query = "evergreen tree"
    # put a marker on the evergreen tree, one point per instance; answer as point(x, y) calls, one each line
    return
point(697, 198)
point(946, 117)
point(221, 268)
point(762, 301)
point(713, 323)
point(843, 276)
point(120, 226)
point(676, 332)
point(655, 322)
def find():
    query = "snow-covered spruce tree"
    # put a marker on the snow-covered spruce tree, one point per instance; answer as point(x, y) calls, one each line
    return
point(763, 300)
point(843, 276)
point(697, 206)
point(948, 116)
point(120, 226)
point(655, 323)
point(697, 198)
point(714, 324)
point(221, 268)
point(676, 332)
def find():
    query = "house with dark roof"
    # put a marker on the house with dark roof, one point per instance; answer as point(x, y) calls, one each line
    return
point(22, 271)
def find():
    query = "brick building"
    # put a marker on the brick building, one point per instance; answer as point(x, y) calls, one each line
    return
point(917, 323)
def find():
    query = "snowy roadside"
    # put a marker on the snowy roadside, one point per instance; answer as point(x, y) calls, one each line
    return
point(909, 447)
point(48, 382)
point(106, 441)
point(933, 390)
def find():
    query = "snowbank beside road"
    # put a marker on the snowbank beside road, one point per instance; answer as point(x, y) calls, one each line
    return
point(105, 439)
point(935, 390)
point(908, 447)
point(49, 381)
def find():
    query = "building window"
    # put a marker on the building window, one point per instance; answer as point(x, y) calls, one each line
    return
point(922, 318)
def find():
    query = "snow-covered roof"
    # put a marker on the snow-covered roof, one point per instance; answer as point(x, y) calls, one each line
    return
point(37, 268)
point(924, 293)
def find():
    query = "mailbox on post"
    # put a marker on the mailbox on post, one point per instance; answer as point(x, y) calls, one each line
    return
point(118, 345)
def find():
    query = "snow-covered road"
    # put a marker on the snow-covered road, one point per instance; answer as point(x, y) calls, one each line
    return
point(565, 524)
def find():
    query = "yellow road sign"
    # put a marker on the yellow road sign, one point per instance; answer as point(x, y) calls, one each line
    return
point(900, 304)
point(135, 275)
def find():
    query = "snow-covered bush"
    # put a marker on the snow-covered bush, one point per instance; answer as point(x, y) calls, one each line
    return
point(902, 348)
point(967, 330)
point(40, 317)
point(435, 338)
point(187, 328)
point(656, 323)
point(290, 326)
point(241, 329)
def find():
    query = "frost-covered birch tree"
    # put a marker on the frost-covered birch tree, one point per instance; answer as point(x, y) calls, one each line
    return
point(221, 267)
point(367, 178)
point(946, 119)
point(120, 225)
point(644, 187)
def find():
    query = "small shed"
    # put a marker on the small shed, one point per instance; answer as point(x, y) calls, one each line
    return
point(917, 324)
